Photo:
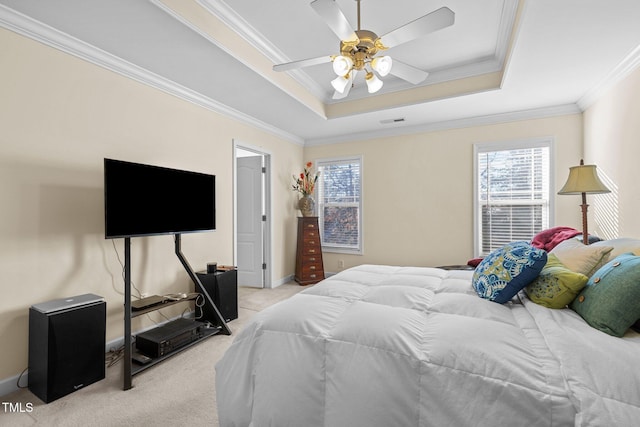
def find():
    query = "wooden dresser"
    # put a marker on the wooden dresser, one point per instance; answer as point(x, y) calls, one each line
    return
point(309, 266)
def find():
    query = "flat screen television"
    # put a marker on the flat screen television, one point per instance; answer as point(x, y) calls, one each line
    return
point(145, 200)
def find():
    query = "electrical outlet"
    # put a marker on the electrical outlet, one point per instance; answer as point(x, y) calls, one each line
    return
point(341, 263)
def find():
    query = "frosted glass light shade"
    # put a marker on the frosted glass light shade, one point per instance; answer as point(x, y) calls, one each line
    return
point(342, 65)
point(382, 65)
point(340, 83)
point(373, 83)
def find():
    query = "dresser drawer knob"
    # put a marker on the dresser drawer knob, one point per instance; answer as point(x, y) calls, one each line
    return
point(313, 276)
point(313, 267)
point(312, 259)
point(312, 251)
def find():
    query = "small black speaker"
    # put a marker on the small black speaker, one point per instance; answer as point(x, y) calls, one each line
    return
point(212, 267)
point(222, 287)
point(66, 345)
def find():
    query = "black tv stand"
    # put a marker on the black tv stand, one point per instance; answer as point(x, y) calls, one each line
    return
point(220, 327)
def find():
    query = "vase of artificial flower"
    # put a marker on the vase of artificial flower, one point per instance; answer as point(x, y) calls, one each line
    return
point(307, 205)
point(304, 184)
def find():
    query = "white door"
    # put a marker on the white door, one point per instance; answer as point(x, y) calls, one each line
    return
point(250, 221)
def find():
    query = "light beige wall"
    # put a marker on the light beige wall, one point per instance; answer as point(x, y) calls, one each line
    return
point(59, 117)
point(612, 142)
point(418, 189)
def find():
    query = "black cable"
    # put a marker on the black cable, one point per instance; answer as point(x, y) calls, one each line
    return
point(20, 377)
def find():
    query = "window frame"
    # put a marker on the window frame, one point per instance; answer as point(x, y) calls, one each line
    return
point(483, 147)
point(319, 203)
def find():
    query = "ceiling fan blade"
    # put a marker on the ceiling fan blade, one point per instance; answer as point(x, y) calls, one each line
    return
point(434, 21)
point(302, 63)
point(335, 19)
point(408, 73)
point(338, 95)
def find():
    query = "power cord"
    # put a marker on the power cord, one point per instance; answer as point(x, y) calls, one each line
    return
point(122, 265)
point(20, 377)
point(114, 355)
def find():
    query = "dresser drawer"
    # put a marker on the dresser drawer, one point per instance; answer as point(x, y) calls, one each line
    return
point(312, 277)
point(310, 234)
point(311, 266)
point(311, 241)
point(311, 250)
point(307, 259)
point(309, 225)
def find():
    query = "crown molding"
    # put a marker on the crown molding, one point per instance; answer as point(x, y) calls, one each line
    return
point(507, 24)
point(251, 35)
point(492, 119)
point(47, 35)
point(629, 64)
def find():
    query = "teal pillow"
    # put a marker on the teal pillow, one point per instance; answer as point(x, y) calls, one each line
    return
point(611, 300)
point(556, 286)
point(507, 270)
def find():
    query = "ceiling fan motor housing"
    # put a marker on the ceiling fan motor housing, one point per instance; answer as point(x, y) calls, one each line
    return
point(362, 50)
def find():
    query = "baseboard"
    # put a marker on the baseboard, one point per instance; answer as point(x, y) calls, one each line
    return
point(282, 281)
point(291, 278)
point(9, 385)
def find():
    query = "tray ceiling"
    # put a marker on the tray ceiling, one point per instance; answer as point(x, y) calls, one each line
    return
point(501, 60)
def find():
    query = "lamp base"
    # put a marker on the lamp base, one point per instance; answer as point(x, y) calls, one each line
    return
point(585, 207)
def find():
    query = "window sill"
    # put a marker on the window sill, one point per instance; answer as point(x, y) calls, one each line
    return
point(342, 251)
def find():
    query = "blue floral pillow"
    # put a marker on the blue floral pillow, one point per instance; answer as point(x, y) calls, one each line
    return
point(508, 270)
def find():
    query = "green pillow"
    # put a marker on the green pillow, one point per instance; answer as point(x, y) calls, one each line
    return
point(556, 286)
point(611, 300)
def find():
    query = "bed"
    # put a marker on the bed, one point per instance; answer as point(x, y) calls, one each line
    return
point(379, 345)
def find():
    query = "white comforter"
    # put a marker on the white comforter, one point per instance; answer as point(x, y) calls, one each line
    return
point(406, 346)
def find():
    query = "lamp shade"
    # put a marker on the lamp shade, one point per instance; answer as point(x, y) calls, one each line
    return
point(583, 179)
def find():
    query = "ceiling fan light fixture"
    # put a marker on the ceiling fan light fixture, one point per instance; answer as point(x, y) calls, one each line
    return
point(374, 84)
point(382, 64)
point(342, 65)
point(340, 83)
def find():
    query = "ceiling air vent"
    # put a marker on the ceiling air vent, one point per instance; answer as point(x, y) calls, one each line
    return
point(391, 121)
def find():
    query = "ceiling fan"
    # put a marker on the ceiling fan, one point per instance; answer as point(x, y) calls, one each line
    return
point(358, 49)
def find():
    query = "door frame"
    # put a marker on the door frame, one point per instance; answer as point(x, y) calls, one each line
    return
point(266, 229)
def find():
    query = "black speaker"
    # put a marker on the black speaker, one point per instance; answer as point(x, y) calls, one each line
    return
point(222, 287)
point(66, 345)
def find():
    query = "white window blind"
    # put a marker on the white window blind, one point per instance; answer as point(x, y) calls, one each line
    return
point(513, 188)
point(340, 204)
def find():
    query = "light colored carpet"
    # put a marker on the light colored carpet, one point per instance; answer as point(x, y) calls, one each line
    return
point(177, 392)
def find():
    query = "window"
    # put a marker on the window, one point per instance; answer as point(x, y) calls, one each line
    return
point(512, 191)
point(340, 204)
